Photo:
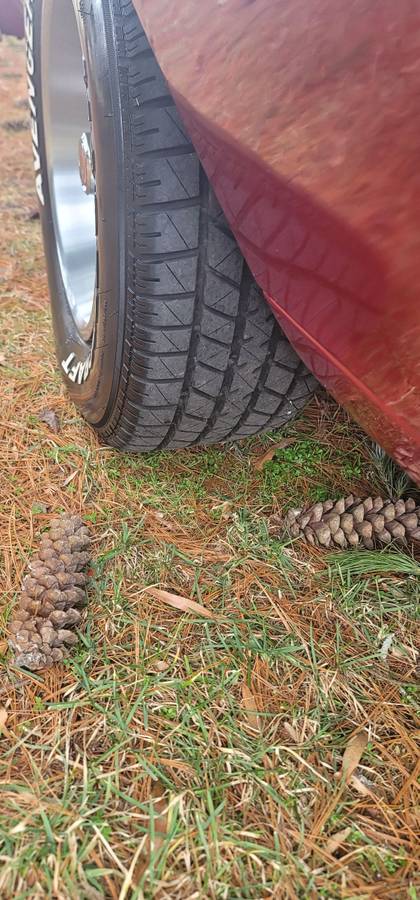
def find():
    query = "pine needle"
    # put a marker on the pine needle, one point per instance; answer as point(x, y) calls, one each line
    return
point(369, 562)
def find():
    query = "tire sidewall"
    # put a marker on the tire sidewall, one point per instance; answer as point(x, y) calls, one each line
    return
point(90, 370)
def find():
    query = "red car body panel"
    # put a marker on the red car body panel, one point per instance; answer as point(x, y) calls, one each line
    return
point(306, 116)
point(11, 17)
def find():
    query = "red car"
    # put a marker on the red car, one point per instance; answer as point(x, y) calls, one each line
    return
point(230, 193)
point(11, 18)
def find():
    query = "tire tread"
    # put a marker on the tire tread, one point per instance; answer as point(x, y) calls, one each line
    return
point(204, 360)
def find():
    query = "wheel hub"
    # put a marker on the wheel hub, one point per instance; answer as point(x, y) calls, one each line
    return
point(69, 157)
point(86, 164)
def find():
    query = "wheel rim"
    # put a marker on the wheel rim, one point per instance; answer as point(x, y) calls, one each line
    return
point(69, 160)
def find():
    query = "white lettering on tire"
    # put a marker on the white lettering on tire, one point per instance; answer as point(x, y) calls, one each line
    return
point(76, 370)
point(30, 68)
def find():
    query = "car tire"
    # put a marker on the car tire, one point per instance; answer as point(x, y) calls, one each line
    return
point(175, 344)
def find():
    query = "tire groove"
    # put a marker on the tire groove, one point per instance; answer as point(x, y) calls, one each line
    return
point(236, 346)
point(201, 275)
point(265, 368)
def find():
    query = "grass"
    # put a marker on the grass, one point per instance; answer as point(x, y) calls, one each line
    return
point(174, 756)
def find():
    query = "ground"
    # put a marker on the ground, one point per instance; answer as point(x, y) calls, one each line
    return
point(176, 755)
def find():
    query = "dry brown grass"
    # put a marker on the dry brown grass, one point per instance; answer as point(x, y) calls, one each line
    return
point(175, 756)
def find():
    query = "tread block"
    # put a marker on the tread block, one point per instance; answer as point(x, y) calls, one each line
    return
point(167, 180)
point(158, 129)
point(177, 313)
point(176, 276)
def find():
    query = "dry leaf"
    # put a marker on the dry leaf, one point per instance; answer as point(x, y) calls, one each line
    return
point(367, 788)
point(2, 359)
point(3, 717)
point(225, 509)
point(3, 647)
point(20, 827)
point(160, 814)
point(249, 705)
point(358, 785)
point(51, 419)
point(160, 827)
point(386, 646)
point(353, 754)
point(161, 517)
point(182, 603)
point(335, 841)
point(38, 508)
point(291, 732)
point(70, 478)
point(272, 450)
point(161, 665)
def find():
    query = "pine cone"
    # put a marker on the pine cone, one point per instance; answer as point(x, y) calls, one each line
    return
point(351, 522)
point(51, 592)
